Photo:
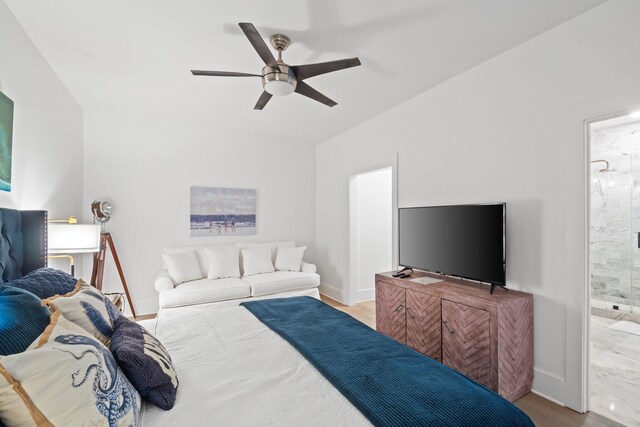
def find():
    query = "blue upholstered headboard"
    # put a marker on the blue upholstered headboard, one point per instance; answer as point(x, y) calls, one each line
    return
point(23, 242)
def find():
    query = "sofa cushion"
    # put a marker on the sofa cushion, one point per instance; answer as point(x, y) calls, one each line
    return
point(273, 247)
point(204, 291)
point(183, 266)
point(289, 259)
point(256, 260)
point(203, 260)
point(223, 262)
point(281, 281)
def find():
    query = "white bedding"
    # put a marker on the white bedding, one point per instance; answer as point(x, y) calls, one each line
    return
point(235, 371)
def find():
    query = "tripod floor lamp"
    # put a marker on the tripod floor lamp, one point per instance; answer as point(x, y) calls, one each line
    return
point(101, 214)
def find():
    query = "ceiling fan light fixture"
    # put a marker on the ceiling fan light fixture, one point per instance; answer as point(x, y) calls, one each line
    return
point(279, 78)
point(279, 83)
point(279, 88)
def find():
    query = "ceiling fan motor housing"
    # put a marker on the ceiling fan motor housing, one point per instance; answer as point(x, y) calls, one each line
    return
point(279, 83)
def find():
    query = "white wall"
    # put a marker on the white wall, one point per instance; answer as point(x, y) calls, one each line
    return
point(47, 127)
point(508, 130)
point(47, 130)
point(145, 168)
point(372, 194)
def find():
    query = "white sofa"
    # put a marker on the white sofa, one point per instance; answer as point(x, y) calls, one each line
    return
point(205, 290)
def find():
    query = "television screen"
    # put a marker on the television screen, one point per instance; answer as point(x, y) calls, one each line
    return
point(465, 240)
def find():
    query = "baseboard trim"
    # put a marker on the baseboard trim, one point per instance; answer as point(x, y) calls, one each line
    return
point(551, 399)
point(333, 293)
point(366, 295)
point(549, 386)
point(143, 306)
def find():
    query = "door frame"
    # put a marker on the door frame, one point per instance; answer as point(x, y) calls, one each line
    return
point(586, 288)
point(352, 291)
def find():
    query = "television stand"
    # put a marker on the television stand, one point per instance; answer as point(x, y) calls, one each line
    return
point(488, 338)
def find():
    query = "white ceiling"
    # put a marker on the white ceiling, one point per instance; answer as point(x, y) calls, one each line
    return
point(134, 56)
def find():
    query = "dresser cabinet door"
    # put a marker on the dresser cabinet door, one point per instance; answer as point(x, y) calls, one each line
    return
point(466, 340)
point(390, 311)
point(424, 324)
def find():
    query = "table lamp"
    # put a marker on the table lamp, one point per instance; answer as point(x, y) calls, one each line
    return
point(65, 239)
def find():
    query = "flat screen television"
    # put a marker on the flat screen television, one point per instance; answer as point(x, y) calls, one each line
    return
point(466, 241)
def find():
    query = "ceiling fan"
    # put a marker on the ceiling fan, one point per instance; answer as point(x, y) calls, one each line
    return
point(279, 78)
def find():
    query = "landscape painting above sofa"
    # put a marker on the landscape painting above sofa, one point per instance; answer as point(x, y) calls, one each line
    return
point(223, 211)
point(6, 131)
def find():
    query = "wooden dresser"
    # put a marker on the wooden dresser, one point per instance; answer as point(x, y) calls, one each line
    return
point(489, 338)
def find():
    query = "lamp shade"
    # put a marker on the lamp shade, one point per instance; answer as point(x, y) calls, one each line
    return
point(73, 238)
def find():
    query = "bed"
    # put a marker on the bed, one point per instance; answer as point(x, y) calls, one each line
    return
point(235, 369)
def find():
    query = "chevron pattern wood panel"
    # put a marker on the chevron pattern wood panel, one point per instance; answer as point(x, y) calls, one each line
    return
point(390, 311)
point(493, 333)
point(515, 341)
point(466, 340)
point(424, 324)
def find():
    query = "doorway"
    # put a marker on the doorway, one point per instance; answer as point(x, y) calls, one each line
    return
point(614, 268)
point(370, 231)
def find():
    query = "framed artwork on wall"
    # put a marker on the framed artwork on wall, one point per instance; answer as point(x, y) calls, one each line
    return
point(6, 133)
point(223, 211)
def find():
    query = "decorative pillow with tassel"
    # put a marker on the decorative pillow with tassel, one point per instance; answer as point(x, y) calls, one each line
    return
point(89, 308)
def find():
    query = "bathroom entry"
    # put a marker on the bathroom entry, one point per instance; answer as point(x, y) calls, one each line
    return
point(614, 263)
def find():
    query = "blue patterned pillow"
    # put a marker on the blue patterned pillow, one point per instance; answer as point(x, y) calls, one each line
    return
point(46, 282)
point(89, 308)
point(22, 319)
point(66, 378)
point(145, 362)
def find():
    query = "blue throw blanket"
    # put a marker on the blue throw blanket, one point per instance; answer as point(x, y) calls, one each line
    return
point(390, 383)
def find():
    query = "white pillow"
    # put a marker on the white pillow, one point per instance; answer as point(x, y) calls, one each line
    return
point(257, 260)
point(289, 259)
point(183, 266)
point(223, 262)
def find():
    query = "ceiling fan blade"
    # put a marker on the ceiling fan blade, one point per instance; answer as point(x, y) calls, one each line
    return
point(304, 89)
point(262, 101)
point(309, 70)
point(222, 73)
point(259, 45)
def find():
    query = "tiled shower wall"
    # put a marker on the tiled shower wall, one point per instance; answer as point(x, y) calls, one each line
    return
point(615, 215)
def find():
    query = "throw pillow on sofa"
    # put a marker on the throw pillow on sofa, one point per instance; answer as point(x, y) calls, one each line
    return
point(22, 319)
point(46, 282)
point(66, 378)
point(88, 308)
point(183, 266)
point(223, 262)
point(257, 260)
point(289, 259)
point(145, 362)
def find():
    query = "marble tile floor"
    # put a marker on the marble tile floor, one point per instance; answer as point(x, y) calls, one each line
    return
point(602, 309)
point(614, 387)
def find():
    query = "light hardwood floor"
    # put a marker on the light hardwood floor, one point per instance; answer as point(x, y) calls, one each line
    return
point(543, 412)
